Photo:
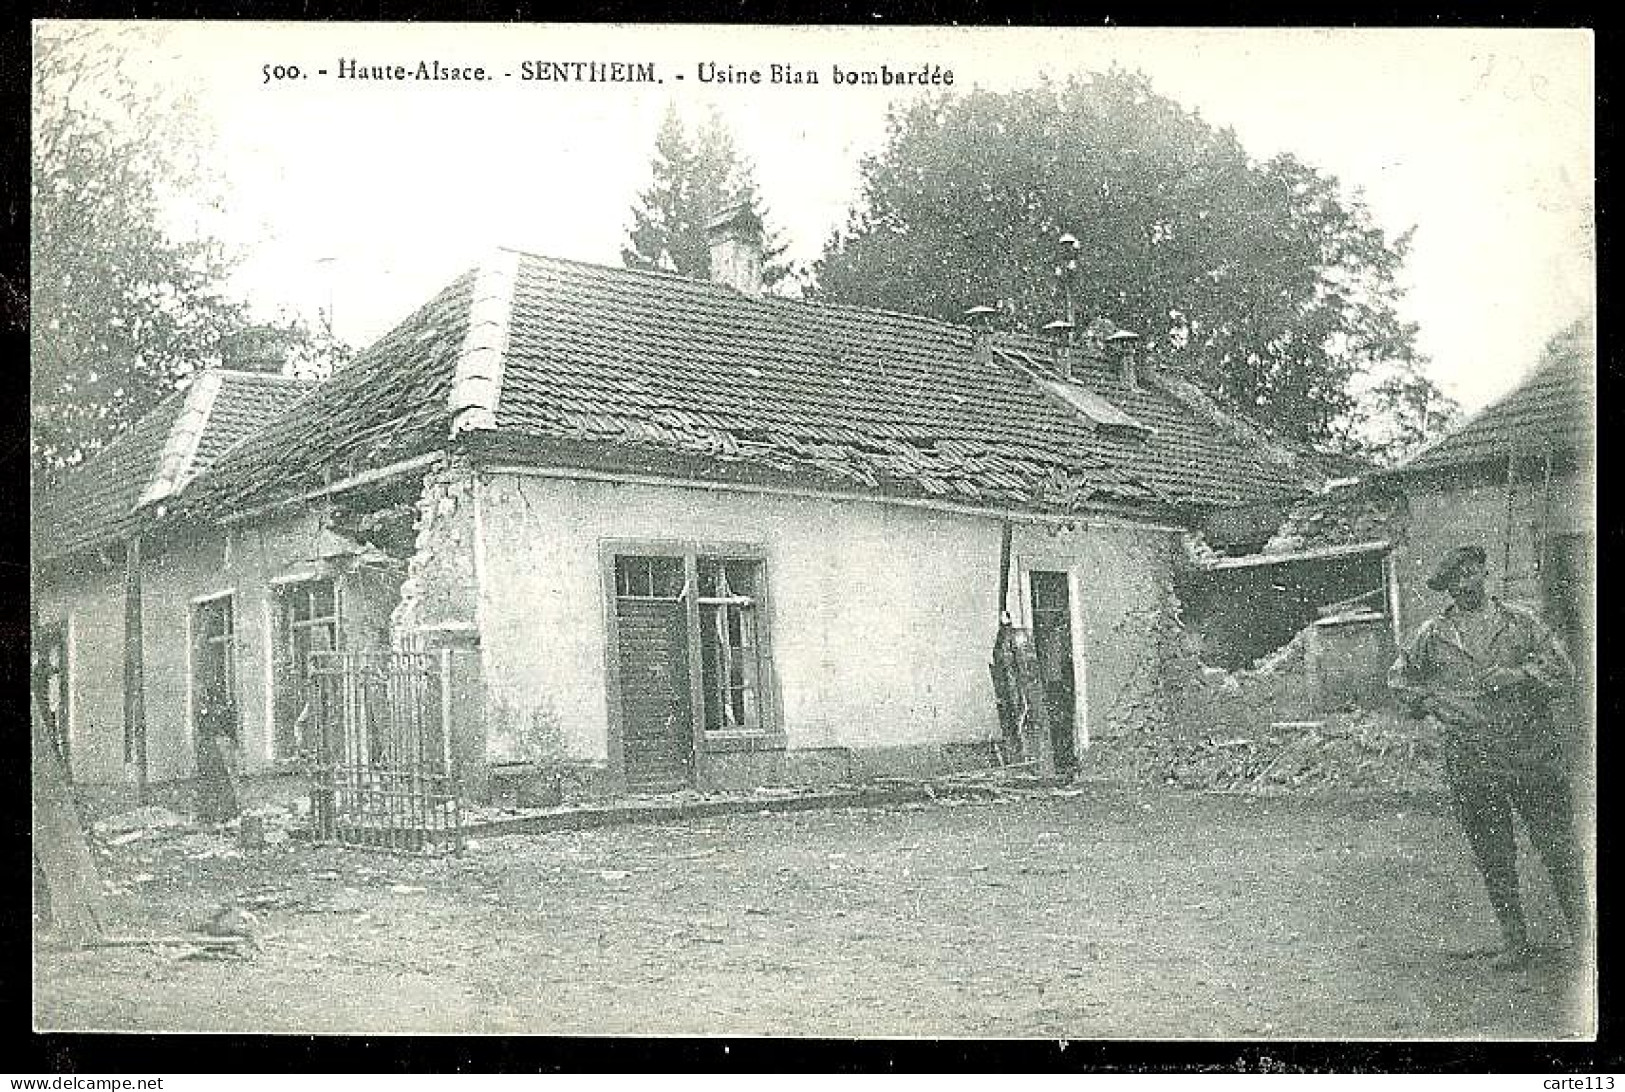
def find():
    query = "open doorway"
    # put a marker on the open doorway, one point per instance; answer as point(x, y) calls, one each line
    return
point(214, 669)
point(1053, 643)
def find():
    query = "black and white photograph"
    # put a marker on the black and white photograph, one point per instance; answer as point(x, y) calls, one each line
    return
point(855, 532)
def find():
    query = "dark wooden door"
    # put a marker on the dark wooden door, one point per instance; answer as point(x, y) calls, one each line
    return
point(1052, 637)
point(214, 693)
point(657, 724)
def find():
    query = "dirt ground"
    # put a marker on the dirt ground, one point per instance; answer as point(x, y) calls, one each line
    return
point(1088, 912)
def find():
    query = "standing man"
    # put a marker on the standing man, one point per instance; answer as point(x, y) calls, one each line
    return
point(1487, 672)
point(216, 747)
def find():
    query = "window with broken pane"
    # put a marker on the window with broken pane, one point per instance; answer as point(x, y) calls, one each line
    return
point(649, 577)
point(730, 643)
point(307, 621)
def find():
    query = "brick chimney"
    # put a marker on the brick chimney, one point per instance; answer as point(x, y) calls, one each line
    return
point(1061, 331)
point(981, 344)
point(1124, 348)
point(735, 238)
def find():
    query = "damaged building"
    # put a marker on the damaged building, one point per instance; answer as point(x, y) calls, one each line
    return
point(1330, 584)
point(662, 533)
point(1519, 479)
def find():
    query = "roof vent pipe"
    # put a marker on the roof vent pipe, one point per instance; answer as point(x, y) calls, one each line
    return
point(1062, 331)
point(1124, 348)
point(1067, 272)
point(981, 344)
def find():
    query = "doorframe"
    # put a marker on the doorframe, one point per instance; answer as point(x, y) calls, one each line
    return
point(689, 551)
point(62, 626)
point(190, 706)
point(608, 551)
point(1052, 563)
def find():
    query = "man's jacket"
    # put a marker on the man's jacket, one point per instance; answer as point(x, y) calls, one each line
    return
point(1494, 729)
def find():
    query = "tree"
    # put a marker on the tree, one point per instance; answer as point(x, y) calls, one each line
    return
point(1395, 413)
point(121, 308)
point(694, 179)
point(1262, 281)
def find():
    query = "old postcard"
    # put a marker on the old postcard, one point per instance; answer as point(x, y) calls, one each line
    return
point(859, 532)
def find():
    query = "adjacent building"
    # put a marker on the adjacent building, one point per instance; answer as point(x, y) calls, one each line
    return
point(1519, 479)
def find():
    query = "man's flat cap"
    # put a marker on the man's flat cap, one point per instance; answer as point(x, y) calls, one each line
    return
point(1452, 561)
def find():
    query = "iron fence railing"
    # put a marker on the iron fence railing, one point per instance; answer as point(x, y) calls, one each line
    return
point(383, 773)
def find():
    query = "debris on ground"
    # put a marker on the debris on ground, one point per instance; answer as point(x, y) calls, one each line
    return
point(144, 820)
point(205, 845)
point(230, 921)
point(186, 942)
point(1347, 752)
point(127, 837)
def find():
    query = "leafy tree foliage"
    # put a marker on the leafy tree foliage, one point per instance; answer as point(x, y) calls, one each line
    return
point(121, 308)
point(1397, 410)
point(1265, 282)
point(695, 178)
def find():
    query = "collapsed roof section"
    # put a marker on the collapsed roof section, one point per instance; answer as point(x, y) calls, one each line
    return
point(566, 364)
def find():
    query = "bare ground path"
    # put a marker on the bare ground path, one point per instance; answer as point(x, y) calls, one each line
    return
point(1099, 913)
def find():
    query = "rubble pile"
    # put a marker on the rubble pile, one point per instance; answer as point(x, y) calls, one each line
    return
point(1344, 753)
point(1361, 513)
point(150, 837)
point(1355, 752)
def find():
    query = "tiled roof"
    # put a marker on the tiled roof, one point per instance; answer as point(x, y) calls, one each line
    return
point(606, 366)
point(1551, 410)
point(1197, 453)
point(872, 398)
point(390, 403)
point(247, 402)
point(94, 503)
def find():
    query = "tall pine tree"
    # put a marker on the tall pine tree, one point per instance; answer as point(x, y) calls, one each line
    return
point(695, 177)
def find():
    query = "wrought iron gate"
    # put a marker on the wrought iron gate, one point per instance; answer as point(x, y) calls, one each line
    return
point(384, 776)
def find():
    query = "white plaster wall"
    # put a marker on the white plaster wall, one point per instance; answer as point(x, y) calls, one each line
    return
point(882, 616)
point(90, 605)
point(1123, 603)
point(1446, 515)
point(171, 580)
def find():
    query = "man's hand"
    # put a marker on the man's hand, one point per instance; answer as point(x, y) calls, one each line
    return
point(1452, 711)
point(1504, 678)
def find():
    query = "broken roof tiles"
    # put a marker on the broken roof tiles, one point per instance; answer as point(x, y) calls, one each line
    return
point(605, 367)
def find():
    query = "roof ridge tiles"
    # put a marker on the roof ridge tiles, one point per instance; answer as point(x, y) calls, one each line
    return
point(711, 289)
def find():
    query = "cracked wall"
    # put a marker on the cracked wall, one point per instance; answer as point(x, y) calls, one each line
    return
point(441, 587)
point(882, 616)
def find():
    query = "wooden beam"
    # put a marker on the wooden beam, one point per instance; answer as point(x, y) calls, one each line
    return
point(135, 709)
point(63, 857)
point(1006, 533)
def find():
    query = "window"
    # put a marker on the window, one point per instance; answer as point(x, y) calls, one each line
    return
point(214, 668)
point(692, 656)
point(307, 621)
point(649, 577)
point(730, 649)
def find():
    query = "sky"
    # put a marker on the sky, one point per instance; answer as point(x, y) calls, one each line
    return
point(366, 196)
